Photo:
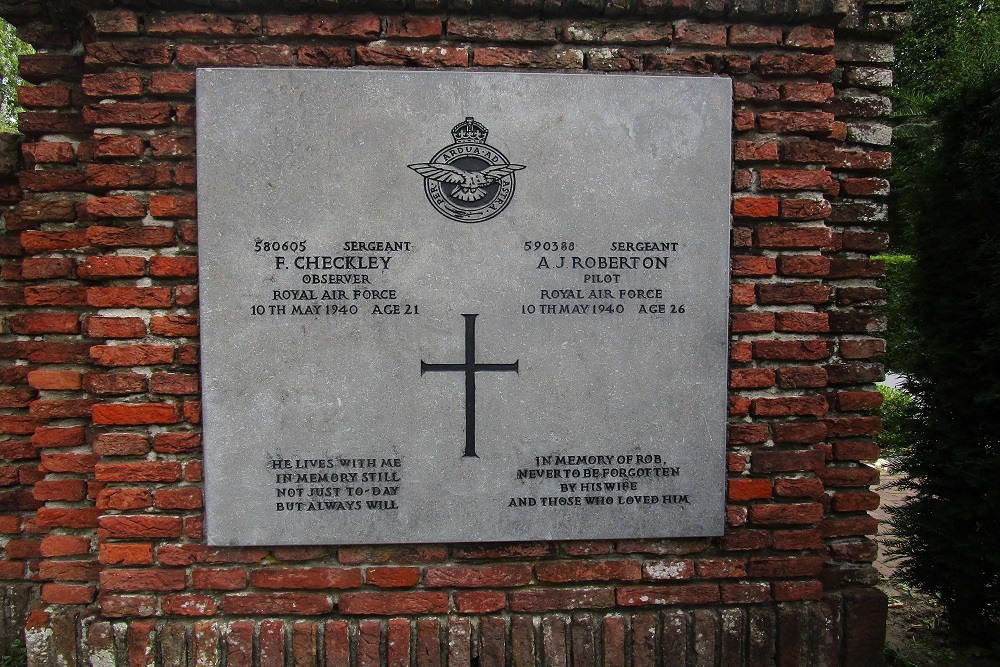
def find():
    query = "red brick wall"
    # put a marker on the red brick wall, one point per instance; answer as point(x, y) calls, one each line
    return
point(100, 476)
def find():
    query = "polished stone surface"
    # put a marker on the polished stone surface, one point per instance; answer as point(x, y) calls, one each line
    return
point(374, 291)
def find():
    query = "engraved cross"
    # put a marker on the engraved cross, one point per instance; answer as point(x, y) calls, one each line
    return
point(470, 368)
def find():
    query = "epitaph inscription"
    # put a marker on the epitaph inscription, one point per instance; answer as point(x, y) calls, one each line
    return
point(404, 342)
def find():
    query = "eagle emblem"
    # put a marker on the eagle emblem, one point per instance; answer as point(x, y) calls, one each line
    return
point(468, 181)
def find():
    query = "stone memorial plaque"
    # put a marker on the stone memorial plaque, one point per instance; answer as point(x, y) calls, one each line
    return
point(462, 306)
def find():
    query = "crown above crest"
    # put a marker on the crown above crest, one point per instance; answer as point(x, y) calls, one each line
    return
point(470, 131)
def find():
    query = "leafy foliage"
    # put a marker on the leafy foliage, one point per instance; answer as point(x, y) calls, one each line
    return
point(950, 530)
point(900, 335)
point(10, 49)
point(897, 413)
point(14, 655)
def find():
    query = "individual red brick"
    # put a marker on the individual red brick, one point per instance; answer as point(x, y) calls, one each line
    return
point(54, 546)
point(849, 526)
point(573, 571)
point(743, 295)
point(146, 471)
point(538, 600)
point(480, 602)
point(128, 114)
point(114, 22)
point(60, 408)
point(413, 56)
point(721, 568)
point(65, 517)
point(798, 377)
point(186, 295)
point(641, 596)
point(121, 206)
point(476, 576)
point(859, 400)
point(48, 152)
point(799, 487)
point(804, 265)
point(819, 123)
point(745, 488)
point(791, 350)
point(70, 463)
point(784, 566)
point(805, 209)
point(745, 592)
point(189, 604)
point(803, 322)
point(53, 593)
point(799, 64)
point(809, 37)
point(128, 606)
point(859, 475)
point(135, 414)
point(55, 296)
point(68, 570)
point(129, 297)
point(758, 151)
point(792, 591)
point(773, 236)
point(34, 241)
point(174, 383)
point(171, 83)
point(111, 266)
point(234, 55)
point(744, 120)
point(173, 267)
point(755, 207)
point(755, 92)
point(528, 58)
point(227, 579)
point(134, 580)
point(783, 460)
point(813, 93)
point(52, 181)
point(501, 30)
point(795, 179)
point(115, 384)
point(192, 412)
point(133, 53)
point(51, 96)
point(855, 450)
point(853, 426)
point(142, 237)
point(41, 268)
point(203, 25)
point(141, 526)
point(116, 327)
point(786, 513)
point(114, 176)
point(392, 604)
point(43, 323)
point(129, 553)
point(858, 501)
point(187, 498)
point(754, 35)
point(751, 378)
point(747, 434)
point(121, 444)
point(414, 27)
point(172, 146)
point(325, 56)
point(173, 206)
point(114, 146)
point(392, 577)
point(794, 293)
point(68, 490)
point(176, 443)
point(751, 322)
point(318, 578)
point(17, 398)
point(124, 498)
point(699, 34)
point(51, 122)
point(112, 84)
point(132, 355)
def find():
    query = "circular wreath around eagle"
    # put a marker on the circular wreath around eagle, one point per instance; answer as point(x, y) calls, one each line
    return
point(468, 181)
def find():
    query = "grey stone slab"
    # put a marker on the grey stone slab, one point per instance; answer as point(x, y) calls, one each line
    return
point(338, 374)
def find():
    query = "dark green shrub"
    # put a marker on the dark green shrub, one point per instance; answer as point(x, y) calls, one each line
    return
point(950, 530)
point(14, 655)
point(900, 336)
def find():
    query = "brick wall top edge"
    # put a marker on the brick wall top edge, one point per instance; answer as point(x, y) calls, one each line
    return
point(20, 12)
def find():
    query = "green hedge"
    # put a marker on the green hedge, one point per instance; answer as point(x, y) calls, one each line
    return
point(900, 335)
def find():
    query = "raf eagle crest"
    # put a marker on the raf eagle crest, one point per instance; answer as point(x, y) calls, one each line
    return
point(469, 180)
